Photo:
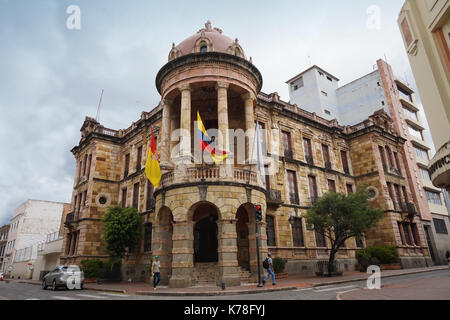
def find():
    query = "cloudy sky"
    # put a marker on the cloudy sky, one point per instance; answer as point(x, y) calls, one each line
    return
point(51, 77)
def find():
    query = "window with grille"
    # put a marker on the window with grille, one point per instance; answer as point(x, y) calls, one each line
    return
point(405, 227)
point(127, 165)
point(439, 225)
point(359, 242)
point(320, 240)
point(349, 188)
point(308, 151)
point(139, 159)
point(148, 237)
point(297, 233)
point(421, 153)
point(293, 189)
point(331, 185)
point(425, 174)
point(136, 196)
point(433, 197)
point(124, 198)
point(270, 231)
point(415, 132)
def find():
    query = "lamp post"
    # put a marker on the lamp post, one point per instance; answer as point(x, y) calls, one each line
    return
point(258, 218)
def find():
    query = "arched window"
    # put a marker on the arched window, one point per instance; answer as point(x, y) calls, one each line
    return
point(203, 47)
point(237, 52)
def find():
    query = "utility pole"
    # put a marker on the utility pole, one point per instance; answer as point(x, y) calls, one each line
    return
point(258, 218)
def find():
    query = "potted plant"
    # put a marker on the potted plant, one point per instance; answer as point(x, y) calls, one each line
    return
point(279, 265)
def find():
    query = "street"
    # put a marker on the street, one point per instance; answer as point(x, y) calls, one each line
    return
point(427, 282)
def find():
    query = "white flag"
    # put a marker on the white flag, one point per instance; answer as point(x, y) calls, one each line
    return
point(259, 155)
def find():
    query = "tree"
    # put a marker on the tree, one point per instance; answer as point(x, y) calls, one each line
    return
point(340, 217)
point(122, 229)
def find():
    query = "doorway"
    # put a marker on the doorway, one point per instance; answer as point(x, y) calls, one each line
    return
point(205, 234)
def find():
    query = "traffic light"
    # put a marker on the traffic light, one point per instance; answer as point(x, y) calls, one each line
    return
point(258, 212)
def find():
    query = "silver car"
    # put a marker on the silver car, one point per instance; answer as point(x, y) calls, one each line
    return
point(69, 277)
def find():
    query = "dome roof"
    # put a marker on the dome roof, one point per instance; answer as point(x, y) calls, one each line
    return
point(208, 39)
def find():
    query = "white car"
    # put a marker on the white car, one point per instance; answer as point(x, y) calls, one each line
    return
point(1, 275)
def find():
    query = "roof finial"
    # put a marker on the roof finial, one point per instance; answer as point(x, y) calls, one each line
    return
point(208, 26)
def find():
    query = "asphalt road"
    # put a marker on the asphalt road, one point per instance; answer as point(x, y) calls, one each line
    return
point(22, 291)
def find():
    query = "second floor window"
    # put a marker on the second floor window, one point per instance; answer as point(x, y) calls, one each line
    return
point(136, 196)
point(148, 237)
point(139, 158)
point(308, 151)
point(344, 160)
point(293, 190)
point(331, 185)
point(297, 233)
point(150, 198)
point(433, 197)
point(313, 195)
point(326, 156)
point(127, 165)
point(270, 231)
point(383, 158)
point(124, 198)
point(287, 145)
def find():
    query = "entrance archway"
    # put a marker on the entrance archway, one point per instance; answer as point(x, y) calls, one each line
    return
point(205, 234)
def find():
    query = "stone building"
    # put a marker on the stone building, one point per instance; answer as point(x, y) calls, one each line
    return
point(3, 242)
point(200, 220)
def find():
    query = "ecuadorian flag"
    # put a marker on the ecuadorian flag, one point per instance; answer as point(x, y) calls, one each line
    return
point(152, 168)
point(205, 144)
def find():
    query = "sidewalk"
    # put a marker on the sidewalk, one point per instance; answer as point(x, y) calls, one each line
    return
point(292, 283)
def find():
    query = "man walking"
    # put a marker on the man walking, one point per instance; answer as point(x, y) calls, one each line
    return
point(270, 270)
point(156, 272)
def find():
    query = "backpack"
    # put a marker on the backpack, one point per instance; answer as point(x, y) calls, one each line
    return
point(266, 264)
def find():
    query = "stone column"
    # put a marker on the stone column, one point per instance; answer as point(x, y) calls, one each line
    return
point(227, 250)
point(185, 120)
point(249, 122)
point(162, 247)
point(222, 116)
point(165, 133)
point(183, 255)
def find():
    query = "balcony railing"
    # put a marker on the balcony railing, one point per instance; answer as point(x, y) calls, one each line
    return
point(327, 165)
point(288, 154)
point(273, 197)
point(70, 218)
point(294, 199)
point(309, 160)
point(210, 174)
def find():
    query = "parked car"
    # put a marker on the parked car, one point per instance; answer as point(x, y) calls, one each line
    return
point(1, 275)
point(63, 276)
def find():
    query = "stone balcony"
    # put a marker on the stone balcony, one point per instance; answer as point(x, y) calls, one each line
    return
point(209, 174)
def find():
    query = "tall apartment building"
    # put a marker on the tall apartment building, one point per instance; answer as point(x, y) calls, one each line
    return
point(200, 220)
point(319, 92)
point(3, 242)
point(31, 223)
point(425, 26)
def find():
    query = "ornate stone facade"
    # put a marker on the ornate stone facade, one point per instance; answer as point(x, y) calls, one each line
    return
point(204, 214)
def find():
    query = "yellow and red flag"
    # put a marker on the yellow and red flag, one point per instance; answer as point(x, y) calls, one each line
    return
point(152, 168)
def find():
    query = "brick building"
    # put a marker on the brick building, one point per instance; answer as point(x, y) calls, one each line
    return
point(200, 220)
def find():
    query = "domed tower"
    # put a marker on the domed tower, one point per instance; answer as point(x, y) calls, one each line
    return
point(199, 201)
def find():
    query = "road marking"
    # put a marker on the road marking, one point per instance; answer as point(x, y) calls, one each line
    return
point(32, 299)
point(305, 289)
point(111, 294)
point(335, 288)
point(64, 298)
point(90, 296)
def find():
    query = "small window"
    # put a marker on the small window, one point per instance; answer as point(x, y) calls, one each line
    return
point(203, 48)
point(324, 94)
point(440, 226)
point(382, 103)
point(329, 78)
point(321, 73)
point(328, 112)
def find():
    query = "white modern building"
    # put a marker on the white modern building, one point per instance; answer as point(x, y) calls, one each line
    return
point(318, 91)
point(30, 226)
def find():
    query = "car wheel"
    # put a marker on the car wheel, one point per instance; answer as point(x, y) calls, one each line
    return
point(44, 285)
point(54, 285)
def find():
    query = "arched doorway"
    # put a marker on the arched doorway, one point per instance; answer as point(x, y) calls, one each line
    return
point(205, 234)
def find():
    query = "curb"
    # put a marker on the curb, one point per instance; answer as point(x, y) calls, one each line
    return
point(383, 276)
point(107, 290)
point(212, 293)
